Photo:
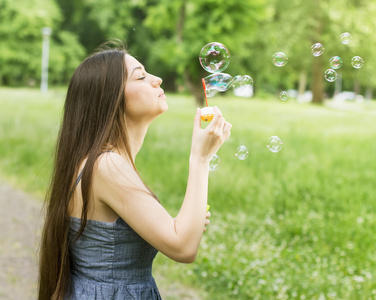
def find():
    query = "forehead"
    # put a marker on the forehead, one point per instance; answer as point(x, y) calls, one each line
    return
point(131, 63)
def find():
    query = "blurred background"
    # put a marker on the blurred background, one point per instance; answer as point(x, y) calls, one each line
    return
point(296, 224)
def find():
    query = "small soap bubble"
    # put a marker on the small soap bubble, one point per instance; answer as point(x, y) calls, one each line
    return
point(345, 38)
point(357, 62)
point(330, 75)
point(241, 152)
point(214, 163)
point(317, 49)
point(242, 86)
point(279, 59)
point(274, 144)
point(336, 62)
point(283, 96)
point(214, 57)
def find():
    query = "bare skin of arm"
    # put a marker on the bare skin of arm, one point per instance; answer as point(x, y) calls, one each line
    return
point(117, 185)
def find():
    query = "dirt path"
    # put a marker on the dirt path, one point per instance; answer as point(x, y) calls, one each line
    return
point(19, 231)
point(20, 228)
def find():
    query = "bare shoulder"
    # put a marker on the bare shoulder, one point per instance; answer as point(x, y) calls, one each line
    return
point(114, 172)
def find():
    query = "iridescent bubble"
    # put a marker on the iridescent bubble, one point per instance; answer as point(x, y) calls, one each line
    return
point(211, 92)
point(279, 59)
point(357, 62)
point(317, 49)
point(242, 152)
point(336, 62)
point(214, 163)
point(283, 96)
point(330, 75)
point(218, 82)
point(214, 57)
point(274, 144)
point(242, 86)
point(345, 38)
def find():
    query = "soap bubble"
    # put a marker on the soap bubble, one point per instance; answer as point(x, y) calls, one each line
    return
point(317, 49)
point(336, 62)
point(345, 38)
point(279, 59)
point(274, 144)
point(217, 82)
point(242, 152)
point(330, 75)
point(214, 57)
point(357, 62)
point(243, 86)
point(211, 92)
point(283, 96)
point(214, 163)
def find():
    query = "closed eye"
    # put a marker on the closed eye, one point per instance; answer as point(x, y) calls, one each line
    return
point(141, 78)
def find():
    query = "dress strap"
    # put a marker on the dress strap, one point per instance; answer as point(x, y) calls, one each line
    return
point(80, 176)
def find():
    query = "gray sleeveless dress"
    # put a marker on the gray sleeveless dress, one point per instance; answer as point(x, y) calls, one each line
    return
point(110, 261)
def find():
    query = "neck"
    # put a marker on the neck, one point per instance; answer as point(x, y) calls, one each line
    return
point(136, 133)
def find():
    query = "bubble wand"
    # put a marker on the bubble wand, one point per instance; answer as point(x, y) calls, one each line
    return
point(206, 97)
point(207, 113)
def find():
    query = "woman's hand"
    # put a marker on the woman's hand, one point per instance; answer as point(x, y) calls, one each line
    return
point(206, 142)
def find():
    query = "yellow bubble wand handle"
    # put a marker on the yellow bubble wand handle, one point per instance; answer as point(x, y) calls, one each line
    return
point(207, 208)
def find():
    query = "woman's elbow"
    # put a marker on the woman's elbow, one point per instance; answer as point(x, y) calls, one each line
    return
point(187, 258)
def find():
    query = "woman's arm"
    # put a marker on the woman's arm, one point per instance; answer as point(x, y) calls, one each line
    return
point(118, 185)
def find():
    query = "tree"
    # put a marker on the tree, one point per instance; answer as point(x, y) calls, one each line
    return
point(182, 27)
point(21, 47)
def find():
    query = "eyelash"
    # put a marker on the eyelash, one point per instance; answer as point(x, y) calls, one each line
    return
point(142, 78)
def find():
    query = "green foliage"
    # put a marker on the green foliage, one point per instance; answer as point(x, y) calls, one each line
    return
point(21, 47)
point(295, 224)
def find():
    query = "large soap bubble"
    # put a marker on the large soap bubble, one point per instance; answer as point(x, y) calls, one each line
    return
point(217, 82)
point(214, 57)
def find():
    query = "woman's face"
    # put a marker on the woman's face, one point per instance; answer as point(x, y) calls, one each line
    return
point(145, 98)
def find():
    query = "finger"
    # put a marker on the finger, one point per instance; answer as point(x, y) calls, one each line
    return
point(208, 214)
point(197, 119)
point(217, 117)
point(207, 222)
point(227, 126)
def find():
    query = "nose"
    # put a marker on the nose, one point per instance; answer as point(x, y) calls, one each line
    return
point(157, 81)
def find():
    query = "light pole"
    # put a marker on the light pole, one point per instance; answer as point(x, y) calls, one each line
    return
point(46, 32)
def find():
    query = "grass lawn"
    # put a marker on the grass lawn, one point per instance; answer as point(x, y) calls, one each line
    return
point(297, 224)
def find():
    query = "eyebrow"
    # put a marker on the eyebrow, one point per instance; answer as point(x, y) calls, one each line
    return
point(137, 68)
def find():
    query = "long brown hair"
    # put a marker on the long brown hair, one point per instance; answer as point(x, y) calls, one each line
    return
point(94, 117)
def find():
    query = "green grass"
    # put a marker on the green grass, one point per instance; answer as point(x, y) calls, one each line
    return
point(297, 224)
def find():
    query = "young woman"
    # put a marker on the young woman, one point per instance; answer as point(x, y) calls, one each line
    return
point(103, 225)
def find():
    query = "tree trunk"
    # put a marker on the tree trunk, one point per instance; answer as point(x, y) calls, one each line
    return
point(369, 93)
point(317, 80)
point(302, 83)
point(196, 89)
point(356, 87)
